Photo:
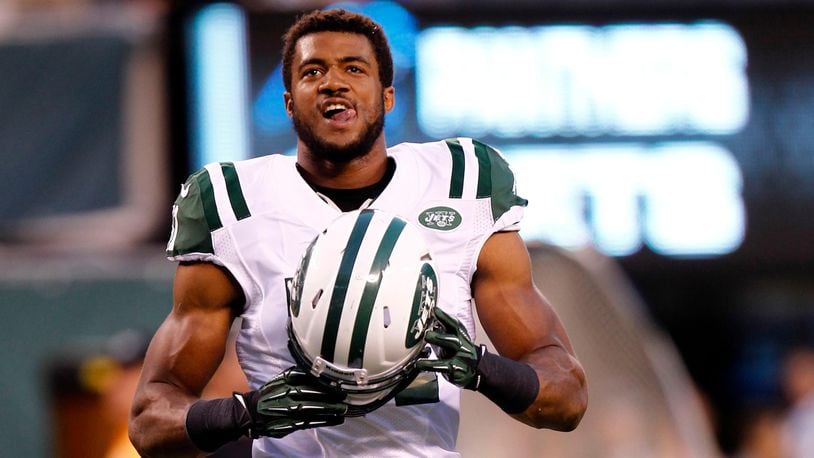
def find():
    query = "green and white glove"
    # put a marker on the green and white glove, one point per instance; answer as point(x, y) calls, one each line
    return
point(458, 356)
point(292, 401)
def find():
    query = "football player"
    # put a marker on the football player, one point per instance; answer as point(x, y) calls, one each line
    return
point(240, 230)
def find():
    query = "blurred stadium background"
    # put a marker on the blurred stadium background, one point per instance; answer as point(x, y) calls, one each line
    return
point(666, 147)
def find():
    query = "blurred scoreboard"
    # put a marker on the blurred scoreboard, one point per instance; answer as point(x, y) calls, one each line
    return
point(682, 134)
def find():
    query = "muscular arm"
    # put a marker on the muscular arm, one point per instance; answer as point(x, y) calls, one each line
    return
point(523, 327)
point(184, 353)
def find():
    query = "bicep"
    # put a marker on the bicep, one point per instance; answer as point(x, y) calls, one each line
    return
point(514, 313)
point(190, 343)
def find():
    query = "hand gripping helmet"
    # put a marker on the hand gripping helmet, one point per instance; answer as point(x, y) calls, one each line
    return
point(360, 304)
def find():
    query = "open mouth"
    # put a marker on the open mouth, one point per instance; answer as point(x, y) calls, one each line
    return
point(338, 112)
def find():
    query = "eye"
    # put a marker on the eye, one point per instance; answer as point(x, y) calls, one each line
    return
point(311, 72)
point(354, 69)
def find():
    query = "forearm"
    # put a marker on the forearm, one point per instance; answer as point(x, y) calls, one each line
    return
point(562, 397)
point(523, 326)
point(157, 421)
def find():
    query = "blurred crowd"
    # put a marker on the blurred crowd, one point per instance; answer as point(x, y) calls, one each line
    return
point(92, 390)
point(784, 429)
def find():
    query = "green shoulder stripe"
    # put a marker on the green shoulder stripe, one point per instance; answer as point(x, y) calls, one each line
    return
point(482, 152)
point(194, 217)
point(234, 190)
point(207, 197)
point(456, 184)
point(496, 180)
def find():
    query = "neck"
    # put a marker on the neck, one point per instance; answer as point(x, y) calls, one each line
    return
point(356, 173)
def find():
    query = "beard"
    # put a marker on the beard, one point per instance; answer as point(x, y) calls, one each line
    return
point(337, 154)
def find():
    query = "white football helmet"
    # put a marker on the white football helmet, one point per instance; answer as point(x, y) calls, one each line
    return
point(360, 304)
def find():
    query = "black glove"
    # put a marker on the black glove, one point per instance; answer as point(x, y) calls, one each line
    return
point(458, 357)
point(292, 401)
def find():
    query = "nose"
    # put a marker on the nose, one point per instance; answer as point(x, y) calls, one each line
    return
point(333, 82)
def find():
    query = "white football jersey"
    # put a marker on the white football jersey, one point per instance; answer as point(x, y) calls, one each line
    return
point(257, 217)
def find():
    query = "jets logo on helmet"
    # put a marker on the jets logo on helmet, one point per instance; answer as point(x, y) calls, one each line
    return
point(423, 303)
point(360, 304)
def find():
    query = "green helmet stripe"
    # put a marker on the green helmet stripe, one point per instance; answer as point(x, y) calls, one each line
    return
point(484, 170)
point(234, 190)
point(456, 185)
point(366, 303)
point(210, 208)
point(341, 284)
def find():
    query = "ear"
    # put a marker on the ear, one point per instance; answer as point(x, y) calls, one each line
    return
point(288, 103)
point(389, 95)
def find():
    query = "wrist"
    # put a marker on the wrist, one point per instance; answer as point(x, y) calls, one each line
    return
point(474, 384)
point(213, 423)
point(512, 385)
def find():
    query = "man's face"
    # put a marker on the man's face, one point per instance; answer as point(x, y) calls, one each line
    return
point(336, 101)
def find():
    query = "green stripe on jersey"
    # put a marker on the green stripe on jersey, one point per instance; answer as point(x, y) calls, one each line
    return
point(501, 179)
point(234, 190)
point(190, 232)
point(456, 184)
point(341, 284)
point(210, 208)
point(484, 170)
point(360, 328)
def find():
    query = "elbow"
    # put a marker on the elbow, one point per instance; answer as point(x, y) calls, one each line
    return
point(574, 401)
point(139, 439)
point(144, 447)
point(147, 444)
point(136, 431)
point(564, 416)
point(153, 436)
point(561, 409)
point(572, 412)
point(573, 405)
point(136, 438)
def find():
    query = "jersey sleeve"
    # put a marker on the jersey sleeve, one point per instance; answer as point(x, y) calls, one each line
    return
point(480, 172)
point(209, 207)
point(194, 217)
point(507, 206)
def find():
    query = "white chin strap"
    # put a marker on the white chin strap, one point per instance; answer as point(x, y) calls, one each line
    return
point(321, 366)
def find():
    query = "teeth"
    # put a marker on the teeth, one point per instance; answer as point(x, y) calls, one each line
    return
point(335, 106)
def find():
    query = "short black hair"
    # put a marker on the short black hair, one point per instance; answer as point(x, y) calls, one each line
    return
point(338, 20)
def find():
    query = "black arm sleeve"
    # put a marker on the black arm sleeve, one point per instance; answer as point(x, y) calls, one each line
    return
point(510, 384)
point(213, 423)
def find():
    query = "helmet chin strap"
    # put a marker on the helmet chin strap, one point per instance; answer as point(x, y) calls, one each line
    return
point(409, 374)
point(352, 380)
point(361, 410)
point(321, 365)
